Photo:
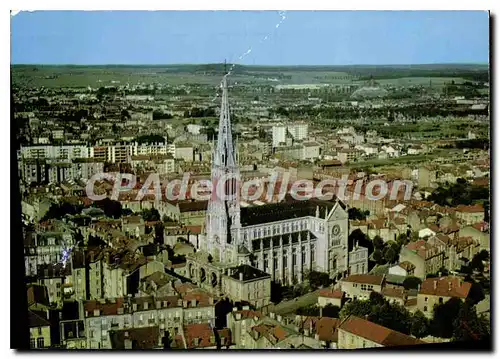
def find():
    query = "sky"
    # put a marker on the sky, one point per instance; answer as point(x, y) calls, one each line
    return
point(304, 37)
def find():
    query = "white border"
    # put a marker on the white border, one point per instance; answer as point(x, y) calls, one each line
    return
point(192, 5)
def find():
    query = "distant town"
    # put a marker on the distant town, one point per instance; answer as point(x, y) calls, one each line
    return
point(267, 271)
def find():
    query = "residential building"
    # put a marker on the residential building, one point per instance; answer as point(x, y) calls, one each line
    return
point(359, 286)
point(357, 333)
point(436, 291)
point(39, 327)
point(248, 284)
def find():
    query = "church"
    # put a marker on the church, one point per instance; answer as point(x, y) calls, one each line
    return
point(282, 240)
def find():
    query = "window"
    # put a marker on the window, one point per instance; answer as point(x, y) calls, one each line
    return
point(426, 299)
point(425, 309)
point(313, 250)
point(39, 330)
point(58, 285)
point(40, 343)
point(32, 343)
point(441, 300)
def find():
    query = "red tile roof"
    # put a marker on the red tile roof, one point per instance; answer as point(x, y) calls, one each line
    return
point(199, 335)
point(364, 278)
point(445, 287)
point(331, 293)
point(376, 333)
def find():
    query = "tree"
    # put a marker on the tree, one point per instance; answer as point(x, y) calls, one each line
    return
point(150, 215)
point(476, 293)
point(112, 209)
point(390, 255)
point(378, 242)
point(419, 325)
point(442, 324)
point(469, 326)
point(411, 282)
point(378, 257)
point(377, 298)
point(331, 311)
point(318, 279)
point(359, 308)
point(476, 262)
point(402, 239)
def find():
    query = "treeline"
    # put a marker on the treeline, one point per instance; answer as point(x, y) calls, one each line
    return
point(351, 113)
point(150, 139)
point(200, 112)
point(159, 115)
point(459, 193)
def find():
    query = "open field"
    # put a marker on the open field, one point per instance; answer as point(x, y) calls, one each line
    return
point(106, 75)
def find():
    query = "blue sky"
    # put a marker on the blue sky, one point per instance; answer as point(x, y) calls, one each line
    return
point(304, 38)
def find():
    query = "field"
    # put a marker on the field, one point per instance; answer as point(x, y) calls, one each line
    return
point(106, 75)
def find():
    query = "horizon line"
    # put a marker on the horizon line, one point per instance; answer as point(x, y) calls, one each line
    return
point(253, 65)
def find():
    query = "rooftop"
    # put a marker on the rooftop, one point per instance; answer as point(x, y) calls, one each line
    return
point(249, 273)
point(376, 333)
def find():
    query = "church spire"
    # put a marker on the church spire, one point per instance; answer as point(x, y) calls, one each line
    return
point(223, 213)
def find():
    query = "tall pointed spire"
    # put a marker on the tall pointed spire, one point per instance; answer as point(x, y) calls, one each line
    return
point(223, 214)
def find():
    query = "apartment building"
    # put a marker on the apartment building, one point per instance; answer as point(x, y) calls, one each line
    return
point(39, 327)
point(249, 284)
point(170, 313)
point(426, 257)
point(435, 291)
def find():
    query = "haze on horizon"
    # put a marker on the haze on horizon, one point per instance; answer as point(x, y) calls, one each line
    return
point(326, 38)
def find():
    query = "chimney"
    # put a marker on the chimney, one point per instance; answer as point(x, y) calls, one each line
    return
point(241, 277)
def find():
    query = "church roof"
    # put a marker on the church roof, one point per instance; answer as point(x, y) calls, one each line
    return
point(289, 208)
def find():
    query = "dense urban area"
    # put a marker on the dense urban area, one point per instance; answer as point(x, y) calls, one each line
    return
point(134, 271)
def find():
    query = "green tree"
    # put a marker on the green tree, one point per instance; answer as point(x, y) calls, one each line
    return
point(359, 308)
point(469, 326)
point(442, 324)
point(318, 279)
point(378, 257)
point(390, 255)
point(331, 311)
point(411, 282)
point(150, 215)
point(378, 242)
point(419, 325)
